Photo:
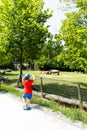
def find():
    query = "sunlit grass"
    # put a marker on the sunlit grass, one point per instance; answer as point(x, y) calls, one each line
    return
point(65, 85)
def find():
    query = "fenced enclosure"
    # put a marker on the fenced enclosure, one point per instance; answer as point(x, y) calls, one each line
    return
point(60, 87)
point(76, 91)
point(70, 85)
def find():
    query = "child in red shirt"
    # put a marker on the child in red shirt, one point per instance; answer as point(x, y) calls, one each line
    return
point(27, 83)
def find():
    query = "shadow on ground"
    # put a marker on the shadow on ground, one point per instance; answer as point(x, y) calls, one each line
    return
point(3, 92)
point(36, 106)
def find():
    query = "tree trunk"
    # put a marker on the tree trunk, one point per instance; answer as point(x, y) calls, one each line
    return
point(32, 65)
point(19, 83)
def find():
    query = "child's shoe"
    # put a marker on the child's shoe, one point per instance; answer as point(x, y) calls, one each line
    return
point(27, 107)
point(24, 107)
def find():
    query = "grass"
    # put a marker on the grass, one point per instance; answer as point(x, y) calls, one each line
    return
point(64, 85)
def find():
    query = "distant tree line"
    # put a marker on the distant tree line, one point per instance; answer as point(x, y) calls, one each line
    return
point(25, 38)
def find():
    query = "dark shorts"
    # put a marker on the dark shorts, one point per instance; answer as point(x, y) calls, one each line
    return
point(29, 96)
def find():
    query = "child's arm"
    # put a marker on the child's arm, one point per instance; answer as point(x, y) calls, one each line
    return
point(33, 77)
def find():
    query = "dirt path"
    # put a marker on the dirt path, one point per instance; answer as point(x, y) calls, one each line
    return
point(13, 117)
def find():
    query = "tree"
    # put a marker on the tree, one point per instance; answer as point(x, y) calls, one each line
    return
point(25, 24)
point(52, 48)
point(74, 34)
point(5, 58)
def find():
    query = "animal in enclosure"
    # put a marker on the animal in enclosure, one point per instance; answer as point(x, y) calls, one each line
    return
point(51, 72)
point(54, 72)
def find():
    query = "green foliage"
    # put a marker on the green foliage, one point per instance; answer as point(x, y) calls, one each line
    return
point(51, 49)
point(5, 59)
point(74, 34)
point(24, 32)
point(81, 3)
point(24, 21)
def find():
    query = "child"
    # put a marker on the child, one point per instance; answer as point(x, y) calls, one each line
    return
point(27, 83)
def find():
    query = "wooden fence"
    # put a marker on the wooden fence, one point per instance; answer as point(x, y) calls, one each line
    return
point(73, 100)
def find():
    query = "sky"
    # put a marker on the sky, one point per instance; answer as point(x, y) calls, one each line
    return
point(58, 15)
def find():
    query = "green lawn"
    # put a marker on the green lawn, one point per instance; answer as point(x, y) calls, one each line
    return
point(65, 85)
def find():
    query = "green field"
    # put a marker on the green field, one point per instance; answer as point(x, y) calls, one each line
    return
point(64, 85)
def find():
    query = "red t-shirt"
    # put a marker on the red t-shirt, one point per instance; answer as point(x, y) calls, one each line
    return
point(28, 86)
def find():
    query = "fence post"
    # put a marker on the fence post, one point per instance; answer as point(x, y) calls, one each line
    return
point(41, 86)
point(0, 85)
point(0, 82)
point(79, 96)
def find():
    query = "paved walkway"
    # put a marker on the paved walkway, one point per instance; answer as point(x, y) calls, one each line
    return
point(13, 117)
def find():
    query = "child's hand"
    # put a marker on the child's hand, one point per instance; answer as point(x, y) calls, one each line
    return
point(33, 77)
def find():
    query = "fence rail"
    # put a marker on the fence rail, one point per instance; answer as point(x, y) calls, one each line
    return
point(71, 91)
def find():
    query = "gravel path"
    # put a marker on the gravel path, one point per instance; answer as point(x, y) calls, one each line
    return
point(13, 117)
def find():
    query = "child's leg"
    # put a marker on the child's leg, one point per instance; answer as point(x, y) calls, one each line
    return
point(28, 102)
point(25, 104)
point(24, 100)
point(28, 99)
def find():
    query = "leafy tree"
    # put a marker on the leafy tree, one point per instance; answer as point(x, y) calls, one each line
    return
point(74, 34)
point(26, 32)
point(5, 58)
point(52, 48)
